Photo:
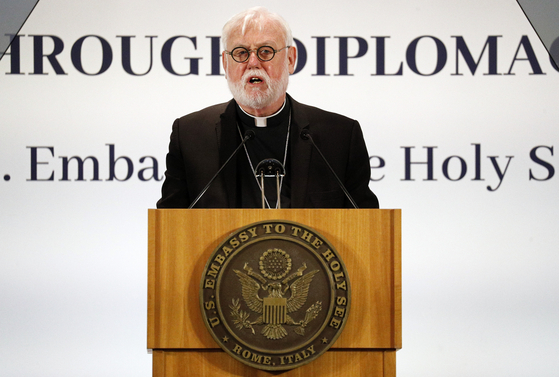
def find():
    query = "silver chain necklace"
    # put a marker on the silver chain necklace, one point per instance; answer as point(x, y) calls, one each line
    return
point(284, 161)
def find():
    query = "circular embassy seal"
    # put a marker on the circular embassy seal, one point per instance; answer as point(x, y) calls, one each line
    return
point(275, 295)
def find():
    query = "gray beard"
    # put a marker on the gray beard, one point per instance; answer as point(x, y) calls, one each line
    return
point(257, 99)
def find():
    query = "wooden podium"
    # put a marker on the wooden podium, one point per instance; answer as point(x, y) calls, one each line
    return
point(180, 243)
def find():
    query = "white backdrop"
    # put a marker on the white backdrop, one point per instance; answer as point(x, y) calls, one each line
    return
point(480, 282)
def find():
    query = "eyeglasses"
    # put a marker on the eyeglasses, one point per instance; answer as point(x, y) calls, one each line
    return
point(264, 53)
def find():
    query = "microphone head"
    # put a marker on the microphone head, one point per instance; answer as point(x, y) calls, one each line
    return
point(250, 134)
point(269, 168)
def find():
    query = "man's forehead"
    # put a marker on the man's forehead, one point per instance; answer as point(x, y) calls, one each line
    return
point(268, 34)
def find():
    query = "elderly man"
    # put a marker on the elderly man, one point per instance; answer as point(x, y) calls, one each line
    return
point(258, 58)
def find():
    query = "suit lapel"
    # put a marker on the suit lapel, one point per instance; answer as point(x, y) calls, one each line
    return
point(301, 152)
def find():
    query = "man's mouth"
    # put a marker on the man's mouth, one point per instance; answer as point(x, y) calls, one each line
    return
point(255, 80)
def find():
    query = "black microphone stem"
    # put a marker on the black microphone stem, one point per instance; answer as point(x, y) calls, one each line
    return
point(306, 135)
point(262, 189)
point(278, 189)
point(248, 135)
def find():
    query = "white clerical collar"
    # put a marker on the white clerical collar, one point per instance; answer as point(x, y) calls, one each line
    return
point(263, 121)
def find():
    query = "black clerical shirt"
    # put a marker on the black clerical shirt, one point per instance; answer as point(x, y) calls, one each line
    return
point(269, 142)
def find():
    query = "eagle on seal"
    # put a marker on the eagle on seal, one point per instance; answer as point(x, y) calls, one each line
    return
point(275, 308)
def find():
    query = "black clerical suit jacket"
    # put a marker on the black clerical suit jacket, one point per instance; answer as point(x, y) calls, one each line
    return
point(202, 141)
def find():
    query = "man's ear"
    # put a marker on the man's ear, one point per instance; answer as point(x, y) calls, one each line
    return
point(224, 62)
point(292, 58)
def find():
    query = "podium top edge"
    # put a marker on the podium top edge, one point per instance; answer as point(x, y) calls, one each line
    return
point(274, 210)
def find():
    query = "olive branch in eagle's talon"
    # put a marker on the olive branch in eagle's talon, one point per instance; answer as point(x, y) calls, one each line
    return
point(240, 318)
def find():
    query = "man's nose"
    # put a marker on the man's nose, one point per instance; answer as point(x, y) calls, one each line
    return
point(253, 60)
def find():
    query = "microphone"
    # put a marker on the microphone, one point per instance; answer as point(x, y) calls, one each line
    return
point(270, 168)
point(249, 134)
point(306, 135)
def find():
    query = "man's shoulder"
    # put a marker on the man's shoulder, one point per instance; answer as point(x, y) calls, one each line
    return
point(320, 116)
point(208, 114)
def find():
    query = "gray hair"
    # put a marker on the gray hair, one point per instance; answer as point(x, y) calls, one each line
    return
point(255, 17)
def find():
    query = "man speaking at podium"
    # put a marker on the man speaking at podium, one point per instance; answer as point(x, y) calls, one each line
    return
point(258, 57)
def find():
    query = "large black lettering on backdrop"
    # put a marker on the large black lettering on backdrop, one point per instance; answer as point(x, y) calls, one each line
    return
point(411, 55)
point(178, 48)
point(166, 58)
point(543, 163)
point(463, 50)
point(106, 55)
point(454, 168)
point(42, 166)
point(499, 170)
point(127, 54)
point(39, 55)
point(500, 165)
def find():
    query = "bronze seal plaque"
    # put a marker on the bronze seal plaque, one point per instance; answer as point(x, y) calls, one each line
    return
point(275, 295)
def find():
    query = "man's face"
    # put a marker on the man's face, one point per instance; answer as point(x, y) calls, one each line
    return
point(259, 87)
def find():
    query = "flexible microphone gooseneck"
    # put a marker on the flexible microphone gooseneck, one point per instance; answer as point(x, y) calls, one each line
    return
point(270, 168)
point(249, 134)
point(306, 135)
